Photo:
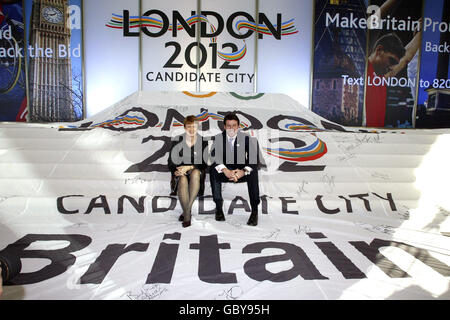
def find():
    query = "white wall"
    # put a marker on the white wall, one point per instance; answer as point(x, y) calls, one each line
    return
point(285, 66)
point(111, 60)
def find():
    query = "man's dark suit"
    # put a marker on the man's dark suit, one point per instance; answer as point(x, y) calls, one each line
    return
point(245, 153)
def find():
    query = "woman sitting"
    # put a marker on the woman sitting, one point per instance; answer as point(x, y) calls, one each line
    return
point(187, 165)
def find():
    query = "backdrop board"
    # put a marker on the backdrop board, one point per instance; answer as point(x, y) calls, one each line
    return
point(339, 57)
point(433, 105)
point(230, 62)
point(284, 64)
point(55, 52)
point(169, 45)
point(112, 60)
point(13, 101)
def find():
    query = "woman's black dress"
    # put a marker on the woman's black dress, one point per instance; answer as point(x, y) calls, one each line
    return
point(196, 156)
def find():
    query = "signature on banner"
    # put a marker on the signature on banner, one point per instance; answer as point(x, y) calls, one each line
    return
point(148, 293)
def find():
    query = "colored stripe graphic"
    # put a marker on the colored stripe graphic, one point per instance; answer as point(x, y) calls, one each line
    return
point(301, 127)
point(238, 96)
point(202, 95)
point(119, 121)
point(287, 28)
point(312, 152)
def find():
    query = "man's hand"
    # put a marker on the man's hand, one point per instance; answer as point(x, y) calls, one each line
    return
point(229, 174)
point(234, 175)
point(238, 174)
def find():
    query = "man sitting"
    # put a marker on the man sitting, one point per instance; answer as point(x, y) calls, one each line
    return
point(235, 158)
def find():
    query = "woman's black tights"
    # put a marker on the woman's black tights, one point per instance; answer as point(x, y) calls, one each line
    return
point(187, 192)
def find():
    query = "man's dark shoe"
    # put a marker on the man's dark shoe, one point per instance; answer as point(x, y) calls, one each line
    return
point(181, 218)
point(253, 220)
point(219, 215)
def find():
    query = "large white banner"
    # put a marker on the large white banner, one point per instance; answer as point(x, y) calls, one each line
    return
point(344, 214)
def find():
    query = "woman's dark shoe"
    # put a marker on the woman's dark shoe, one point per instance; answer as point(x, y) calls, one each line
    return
point(186, 224)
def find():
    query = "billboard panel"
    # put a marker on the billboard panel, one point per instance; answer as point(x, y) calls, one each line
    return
point(55, 54)
point(433, 105)
point(13, 100)
point(339, 62)
point(392, 59)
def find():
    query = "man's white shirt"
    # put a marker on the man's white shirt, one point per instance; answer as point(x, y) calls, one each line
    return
point(231, 140)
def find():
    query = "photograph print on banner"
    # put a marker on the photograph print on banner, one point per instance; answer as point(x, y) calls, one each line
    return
point(55, 60)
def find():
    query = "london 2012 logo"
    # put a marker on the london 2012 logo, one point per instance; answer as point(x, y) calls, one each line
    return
point(239, 25)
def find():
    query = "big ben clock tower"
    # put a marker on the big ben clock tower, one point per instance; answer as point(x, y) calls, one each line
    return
point(50, 66)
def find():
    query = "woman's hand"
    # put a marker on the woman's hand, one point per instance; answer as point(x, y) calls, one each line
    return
point(182, 170)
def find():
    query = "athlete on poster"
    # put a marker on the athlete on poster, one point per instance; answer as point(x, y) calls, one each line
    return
point(394, 40)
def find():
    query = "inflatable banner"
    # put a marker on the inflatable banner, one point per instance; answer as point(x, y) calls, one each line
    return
point(344, 213)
